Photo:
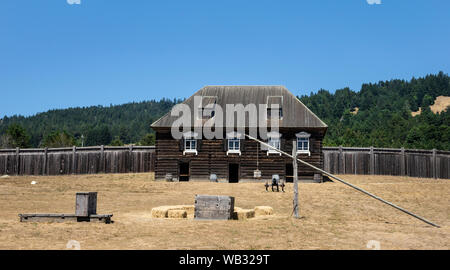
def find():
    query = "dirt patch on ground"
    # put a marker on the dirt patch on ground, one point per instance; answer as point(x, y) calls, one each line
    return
point(333, 216)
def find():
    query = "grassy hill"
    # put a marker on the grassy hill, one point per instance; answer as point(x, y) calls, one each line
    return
point(379, 115)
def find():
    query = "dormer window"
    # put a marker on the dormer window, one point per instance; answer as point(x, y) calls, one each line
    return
point(190, 142)
point(274, 113)
point(207, 107)
point(274, 141)
point(303, 143)
point(274, 107)
point(207, 112)
point(234, 143)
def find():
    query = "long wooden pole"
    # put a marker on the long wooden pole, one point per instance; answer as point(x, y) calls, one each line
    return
point(294, 166)
point(346, 183)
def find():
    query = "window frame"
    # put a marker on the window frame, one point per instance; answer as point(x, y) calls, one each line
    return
point(207, 111)
point(234, 149)
point(270, 109)
point(270, 113)
point(302, 137)
point(190, 137)
point(274, 137)
point(234, 137)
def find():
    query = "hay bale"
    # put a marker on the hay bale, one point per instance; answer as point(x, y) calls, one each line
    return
point(263, 210)
point(189, 208)
point(163, 211)
point(160, 211)
point(177, 214)
point(242, 214)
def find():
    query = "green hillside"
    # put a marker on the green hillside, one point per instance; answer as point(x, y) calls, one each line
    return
point(378, 115)
point(99, 125)
point(383, 115)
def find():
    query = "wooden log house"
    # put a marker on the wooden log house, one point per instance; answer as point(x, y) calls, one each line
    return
point(234, 158)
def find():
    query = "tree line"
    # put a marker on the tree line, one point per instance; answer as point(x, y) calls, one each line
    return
point(85, 126)
point(378, 115)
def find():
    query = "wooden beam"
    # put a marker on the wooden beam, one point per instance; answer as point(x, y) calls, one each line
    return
point(346, 183)
point(294, 165)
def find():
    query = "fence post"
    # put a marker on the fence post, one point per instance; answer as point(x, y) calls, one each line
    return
point(372, 161)
point(130, 158)
point(433, 164)
point(6, 165)
point(45, 161)
point(342, 161)
point(74, 150)
point(17, 160)
point(402, 162)
point(102, 158)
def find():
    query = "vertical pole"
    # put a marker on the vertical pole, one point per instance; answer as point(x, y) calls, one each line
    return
point(294, 165)
point(434, 165)
point(402, 162)
point(45, 161)
point(74, 150)
point(130, 158)
point(372, 161)
point(342, 161)
point(103, 159)
point(17, 160)
point(6, 164)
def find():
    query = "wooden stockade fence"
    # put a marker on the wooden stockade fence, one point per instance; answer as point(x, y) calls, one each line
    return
point(387, 161)
point(124, 159)
point(77, 160)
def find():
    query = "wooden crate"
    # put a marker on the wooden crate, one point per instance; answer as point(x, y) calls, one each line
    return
point(214, 207)
point(86, 204)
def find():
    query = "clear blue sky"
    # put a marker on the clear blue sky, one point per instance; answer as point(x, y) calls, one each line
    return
point(100, 52)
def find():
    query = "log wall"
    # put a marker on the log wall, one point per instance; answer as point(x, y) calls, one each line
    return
point(212, 158)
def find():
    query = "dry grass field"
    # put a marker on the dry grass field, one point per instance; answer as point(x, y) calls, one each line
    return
point(334, 216)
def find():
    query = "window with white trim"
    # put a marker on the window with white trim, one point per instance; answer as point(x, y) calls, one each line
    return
point(233, 143)
point(274, 113)
point(190, 142)
point(274, 141)
point(207, 109)
point(303, 143)
point(275, 107)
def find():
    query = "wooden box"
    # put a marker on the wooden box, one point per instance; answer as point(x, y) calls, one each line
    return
point(86, 204)
point(214, 207)
point(318, 178)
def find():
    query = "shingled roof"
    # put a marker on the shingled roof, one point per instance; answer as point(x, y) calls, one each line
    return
point(295, 113)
